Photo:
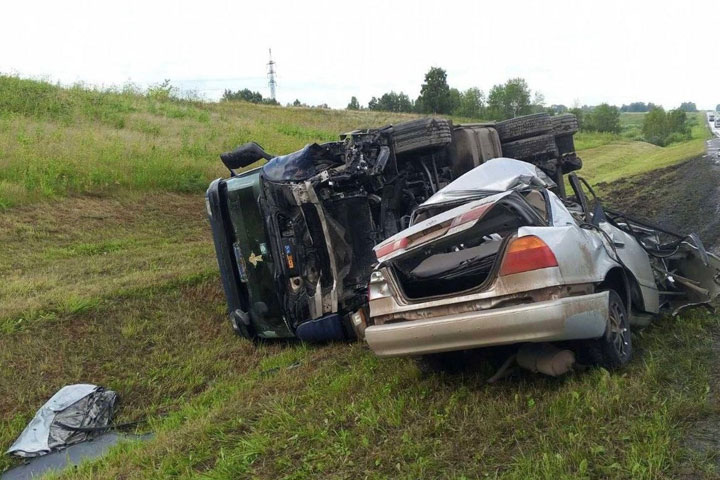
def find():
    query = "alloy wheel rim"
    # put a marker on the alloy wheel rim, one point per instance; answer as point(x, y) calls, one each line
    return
point(618, 330)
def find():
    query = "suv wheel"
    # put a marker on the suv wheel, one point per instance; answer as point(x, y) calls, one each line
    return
point(523, 127)
point(541, 147)
point(422, 133)
point(565, 124)
point(565, 144)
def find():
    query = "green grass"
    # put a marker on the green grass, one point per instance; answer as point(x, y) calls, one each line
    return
point(607, 157)
point(56, 142)
point(109, 276)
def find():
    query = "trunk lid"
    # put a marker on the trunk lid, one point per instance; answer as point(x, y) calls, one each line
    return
point(457, 250)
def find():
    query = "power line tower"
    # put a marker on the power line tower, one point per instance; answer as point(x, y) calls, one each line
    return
point(271, 76)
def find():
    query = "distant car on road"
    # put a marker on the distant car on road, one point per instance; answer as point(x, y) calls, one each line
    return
point(717, 123)
point(711, 117)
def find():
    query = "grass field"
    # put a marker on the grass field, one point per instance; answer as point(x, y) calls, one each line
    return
point(109, 277)
point(610, 157)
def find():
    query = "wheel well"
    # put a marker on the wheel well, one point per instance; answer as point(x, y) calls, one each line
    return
point(625, 285)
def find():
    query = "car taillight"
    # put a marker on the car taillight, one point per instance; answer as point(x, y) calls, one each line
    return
point(391, 247)
point(525, 254)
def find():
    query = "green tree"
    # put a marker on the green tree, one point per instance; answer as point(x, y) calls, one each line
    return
point(161, 91)
point(655, 126)
point(455, 99)
point(579, 114)
point(245, 94)
point(678, 122)
point(354, 104)
point(435, 92)
point(603, 118)
point(688, 107)
point(637, 107)
point(717, 107)
point(391, 102)
point(662, 128)
point(510, 100)
point(472, 103)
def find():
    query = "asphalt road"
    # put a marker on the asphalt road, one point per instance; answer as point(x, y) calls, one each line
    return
point(713, 145)
point(715, 130)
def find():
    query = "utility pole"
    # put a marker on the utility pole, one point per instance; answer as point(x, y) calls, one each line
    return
point(271, 76)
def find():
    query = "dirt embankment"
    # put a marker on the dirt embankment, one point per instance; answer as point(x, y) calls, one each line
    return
point(684, 198)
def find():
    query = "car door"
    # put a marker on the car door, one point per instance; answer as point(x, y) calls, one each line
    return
point(621, 245)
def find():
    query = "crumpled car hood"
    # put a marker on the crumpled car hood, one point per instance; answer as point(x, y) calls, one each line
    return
point(496, 175)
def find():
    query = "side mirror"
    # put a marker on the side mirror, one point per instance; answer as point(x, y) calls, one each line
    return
point(244, 155)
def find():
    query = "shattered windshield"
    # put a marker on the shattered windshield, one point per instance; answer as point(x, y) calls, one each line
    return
point(496, 175)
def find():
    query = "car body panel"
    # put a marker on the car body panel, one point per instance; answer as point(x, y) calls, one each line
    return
point(585, 255)
point(552, 320)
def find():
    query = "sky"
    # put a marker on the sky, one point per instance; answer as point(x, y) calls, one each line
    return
point(573, 52)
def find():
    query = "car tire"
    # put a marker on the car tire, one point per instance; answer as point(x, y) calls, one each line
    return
point(614, 349)
point(565, 144)
point(565, 124)
point(445, 362)
point(523, 127)
point(421, 134)
point(541, 147)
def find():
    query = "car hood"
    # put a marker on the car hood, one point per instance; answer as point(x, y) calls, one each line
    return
point(496, 175)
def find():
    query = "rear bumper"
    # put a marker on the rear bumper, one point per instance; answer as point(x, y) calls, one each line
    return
point(568, 318)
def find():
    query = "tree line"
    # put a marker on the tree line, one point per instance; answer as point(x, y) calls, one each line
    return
point(247, 95)
point(507, 100)
point(642, 107)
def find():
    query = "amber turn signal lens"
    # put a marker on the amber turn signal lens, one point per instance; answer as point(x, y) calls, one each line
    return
point(525, 254)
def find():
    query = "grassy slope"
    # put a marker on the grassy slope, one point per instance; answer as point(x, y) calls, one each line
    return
point(609, 157)
point(55, 142)
point(120, 288)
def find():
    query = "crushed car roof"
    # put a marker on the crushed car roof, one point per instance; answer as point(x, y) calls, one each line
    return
point(496, 175)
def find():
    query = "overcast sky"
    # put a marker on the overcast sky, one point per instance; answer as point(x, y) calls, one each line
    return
point(571, 51)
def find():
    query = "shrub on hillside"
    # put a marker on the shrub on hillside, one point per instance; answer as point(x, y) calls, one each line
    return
point(603, 118)
point(661, 128)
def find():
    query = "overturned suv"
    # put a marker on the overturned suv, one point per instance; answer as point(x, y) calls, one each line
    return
point(294, 237)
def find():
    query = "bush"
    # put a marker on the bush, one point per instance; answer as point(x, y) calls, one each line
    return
point(161, 91)
point(677, 137)
point(661, 128)
point(603, 118)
